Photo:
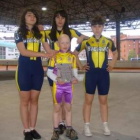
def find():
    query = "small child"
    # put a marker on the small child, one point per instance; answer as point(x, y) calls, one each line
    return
point(63, 89)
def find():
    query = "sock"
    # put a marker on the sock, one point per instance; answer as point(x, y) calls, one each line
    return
point(56, 129)
point(87, 123)
point(62, 123)
point(32, 128)
point(105, 123)
point(26, 130)
point(69, 127)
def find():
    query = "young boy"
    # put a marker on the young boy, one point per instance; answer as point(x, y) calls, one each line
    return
point(63, 89)
point(98, 76)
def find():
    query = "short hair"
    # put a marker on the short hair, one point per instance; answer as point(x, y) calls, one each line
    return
point(98, 20)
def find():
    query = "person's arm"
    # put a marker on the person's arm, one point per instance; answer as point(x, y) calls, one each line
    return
point(115, 56)
point(113, 62)
point(51, 75)
point(23, 51)
point(45, 44)
point(81, 67)
point(81, 38)
point(74, 70)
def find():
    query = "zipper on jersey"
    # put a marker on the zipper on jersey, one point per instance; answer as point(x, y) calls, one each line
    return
point(98, 51)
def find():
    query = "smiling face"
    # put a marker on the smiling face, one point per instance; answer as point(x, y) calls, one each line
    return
point(30, 19)
point(64, 43)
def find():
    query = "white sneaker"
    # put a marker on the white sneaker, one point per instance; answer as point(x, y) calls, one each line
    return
point(106, 129)
point(87, 131)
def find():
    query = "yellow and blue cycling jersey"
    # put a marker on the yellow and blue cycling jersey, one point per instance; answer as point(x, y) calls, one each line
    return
point(30, 73)
point(97, 51)
point(97, 58)
point(54, 46)
point(65, 90)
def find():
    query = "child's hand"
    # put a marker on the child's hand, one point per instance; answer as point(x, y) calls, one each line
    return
point(60, 82)
point(86, 67)
point(74, 81)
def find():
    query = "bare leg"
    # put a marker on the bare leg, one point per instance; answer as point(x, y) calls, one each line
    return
point(103, 107)
point(24, 106)
point(87, 113)
point(34, 107)
point(87, 107)
point(56, 114)
point(68, 114)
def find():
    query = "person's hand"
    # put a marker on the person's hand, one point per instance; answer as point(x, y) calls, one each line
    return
point(59, 81)
point(109, 67)
point(47, 55)
point(54, 52)
point(74, 81)
point(79, 40)
point(86, 67)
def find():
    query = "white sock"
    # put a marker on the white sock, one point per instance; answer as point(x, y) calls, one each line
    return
point(32, 128)
point(63, 123)
point(105, 123)
point(87, 123)
point(26, 130)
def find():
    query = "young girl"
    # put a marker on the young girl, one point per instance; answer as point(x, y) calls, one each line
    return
point(63, 91)
point(30, 73)
point(59, 27)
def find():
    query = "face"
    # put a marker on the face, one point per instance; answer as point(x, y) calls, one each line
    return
point(60, 21)
point(97, 29)
point(30, 18)
point(64, 43)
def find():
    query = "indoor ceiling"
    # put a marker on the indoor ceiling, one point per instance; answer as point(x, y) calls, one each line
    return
point(79, 11)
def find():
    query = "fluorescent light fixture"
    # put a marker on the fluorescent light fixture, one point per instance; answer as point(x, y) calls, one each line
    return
point(87, 22)
point(44, 8)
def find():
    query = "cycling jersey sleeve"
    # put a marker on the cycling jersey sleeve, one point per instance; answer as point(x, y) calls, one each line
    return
point(51, 63)
point(81, 46)
point(44, 37)
point(74, 62)
point(75, 33)
point(112, 46)
point(47, 32)
point(17, 37)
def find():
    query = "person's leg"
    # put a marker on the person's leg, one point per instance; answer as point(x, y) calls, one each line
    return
point(62, 115)
point(103, 107)
point(104, 113)
point(103, 89)
point(34, 107)
point(70, 132)
point(25, 97)
point(56, 115)
point(68, 114)
point(24, 104)
point(34, 113)
point(87, 113)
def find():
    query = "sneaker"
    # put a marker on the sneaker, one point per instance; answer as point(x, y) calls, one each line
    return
point(72, 134)
point(27, 136)
point(106, 129)
point(87, 131)
point(62, 128)
point(55, 135)
point(35, 134)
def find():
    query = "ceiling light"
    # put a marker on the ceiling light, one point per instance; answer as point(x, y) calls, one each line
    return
point(44, 8)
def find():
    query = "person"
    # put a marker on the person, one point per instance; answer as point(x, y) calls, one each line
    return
point(63, 90)
point(59, 27)
point(30, 74)
point(97, 48)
